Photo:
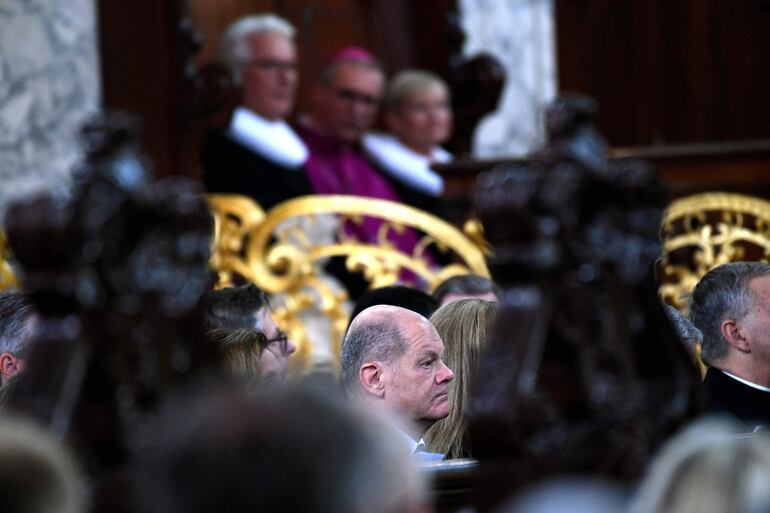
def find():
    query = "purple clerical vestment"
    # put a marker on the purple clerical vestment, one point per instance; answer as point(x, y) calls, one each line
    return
point(336, 167)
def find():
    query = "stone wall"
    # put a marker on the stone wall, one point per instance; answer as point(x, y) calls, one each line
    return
point(521, 34)
point(49, 81)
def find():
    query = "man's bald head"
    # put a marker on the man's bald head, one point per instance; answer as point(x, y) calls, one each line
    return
point(374, 335)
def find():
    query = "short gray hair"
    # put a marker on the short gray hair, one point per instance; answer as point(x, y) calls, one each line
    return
point(407, 82)
point(376, 340)
point(15, 312)
point(234, 51)
point(723, 293)
point(688, 473)
point(38, 472)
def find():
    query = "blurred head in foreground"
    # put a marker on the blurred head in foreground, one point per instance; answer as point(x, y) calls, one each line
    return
point(37, 474)
point(708, 468)
point(287, 451)
point(569, 494)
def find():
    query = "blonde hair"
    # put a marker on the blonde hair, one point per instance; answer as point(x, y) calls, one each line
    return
point(708, 468)
point(239, 350)
point(408, 82)
point(464, 326)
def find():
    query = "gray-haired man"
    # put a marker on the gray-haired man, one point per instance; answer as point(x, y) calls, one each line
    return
point(731, 307)
point(16, 323)
point(258, 155)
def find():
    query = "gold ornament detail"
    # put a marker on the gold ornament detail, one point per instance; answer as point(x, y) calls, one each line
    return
point(7, 278)
point(704, 231)
point(284, 251)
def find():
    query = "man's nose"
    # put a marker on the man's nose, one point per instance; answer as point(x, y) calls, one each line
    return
point(290, 346)
point(445, 374)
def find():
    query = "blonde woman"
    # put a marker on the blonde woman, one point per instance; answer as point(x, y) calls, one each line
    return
point(419, 116)
point(464, 327)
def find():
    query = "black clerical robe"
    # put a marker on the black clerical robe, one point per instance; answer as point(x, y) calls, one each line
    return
point(727, 395)
point(231, 167)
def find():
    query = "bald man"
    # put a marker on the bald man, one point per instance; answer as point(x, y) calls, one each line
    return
point(393, 357)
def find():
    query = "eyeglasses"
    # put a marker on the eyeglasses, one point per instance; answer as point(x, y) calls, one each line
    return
point(281, 339)
point(354, 96)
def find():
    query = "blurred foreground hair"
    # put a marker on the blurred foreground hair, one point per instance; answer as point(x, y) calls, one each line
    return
point(708, 468)
point(37, 474)
point(287, 451)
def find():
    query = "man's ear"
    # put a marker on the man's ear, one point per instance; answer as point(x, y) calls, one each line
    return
point(734, 335)
point(372, 378)
point(9, 366)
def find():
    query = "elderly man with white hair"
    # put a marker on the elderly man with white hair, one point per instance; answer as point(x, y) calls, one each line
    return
point(259, 154)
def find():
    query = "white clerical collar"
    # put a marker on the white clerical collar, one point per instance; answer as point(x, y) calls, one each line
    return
point(748, 383)
point(406, 165)
point(273, 139)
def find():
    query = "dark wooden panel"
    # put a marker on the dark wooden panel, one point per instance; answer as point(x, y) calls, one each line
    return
point(667, 72)
point(685, 169)
point(138, 52)
point(212, 18)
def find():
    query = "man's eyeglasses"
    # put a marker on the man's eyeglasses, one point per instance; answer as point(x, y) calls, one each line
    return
point(354, 96)
point(281, 339)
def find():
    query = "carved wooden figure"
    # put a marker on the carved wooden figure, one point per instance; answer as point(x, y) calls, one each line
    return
point(116, 273)
point(584, 374)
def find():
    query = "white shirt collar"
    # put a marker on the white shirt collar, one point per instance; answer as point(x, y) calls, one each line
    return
point(410, 441)
point(273, 139)
point(406, 165)
point(747, 383)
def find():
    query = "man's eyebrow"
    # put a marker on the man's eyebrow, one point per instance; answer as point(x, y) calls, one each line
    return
point(427, 352)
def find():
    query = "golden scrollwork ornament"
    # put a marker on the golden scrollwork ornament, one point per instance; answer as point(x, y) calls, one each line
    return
point(7, 277)
point(284, 252)
point(703, 231)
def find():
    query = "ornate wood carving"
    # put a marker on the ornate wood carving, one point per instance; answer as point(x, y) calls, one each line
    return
point(116, 274)
point(584, 373)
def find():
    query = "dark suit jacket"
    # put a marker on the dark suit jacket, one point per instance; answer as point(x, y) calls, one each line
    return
point(727, 395)
point(229, 166)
